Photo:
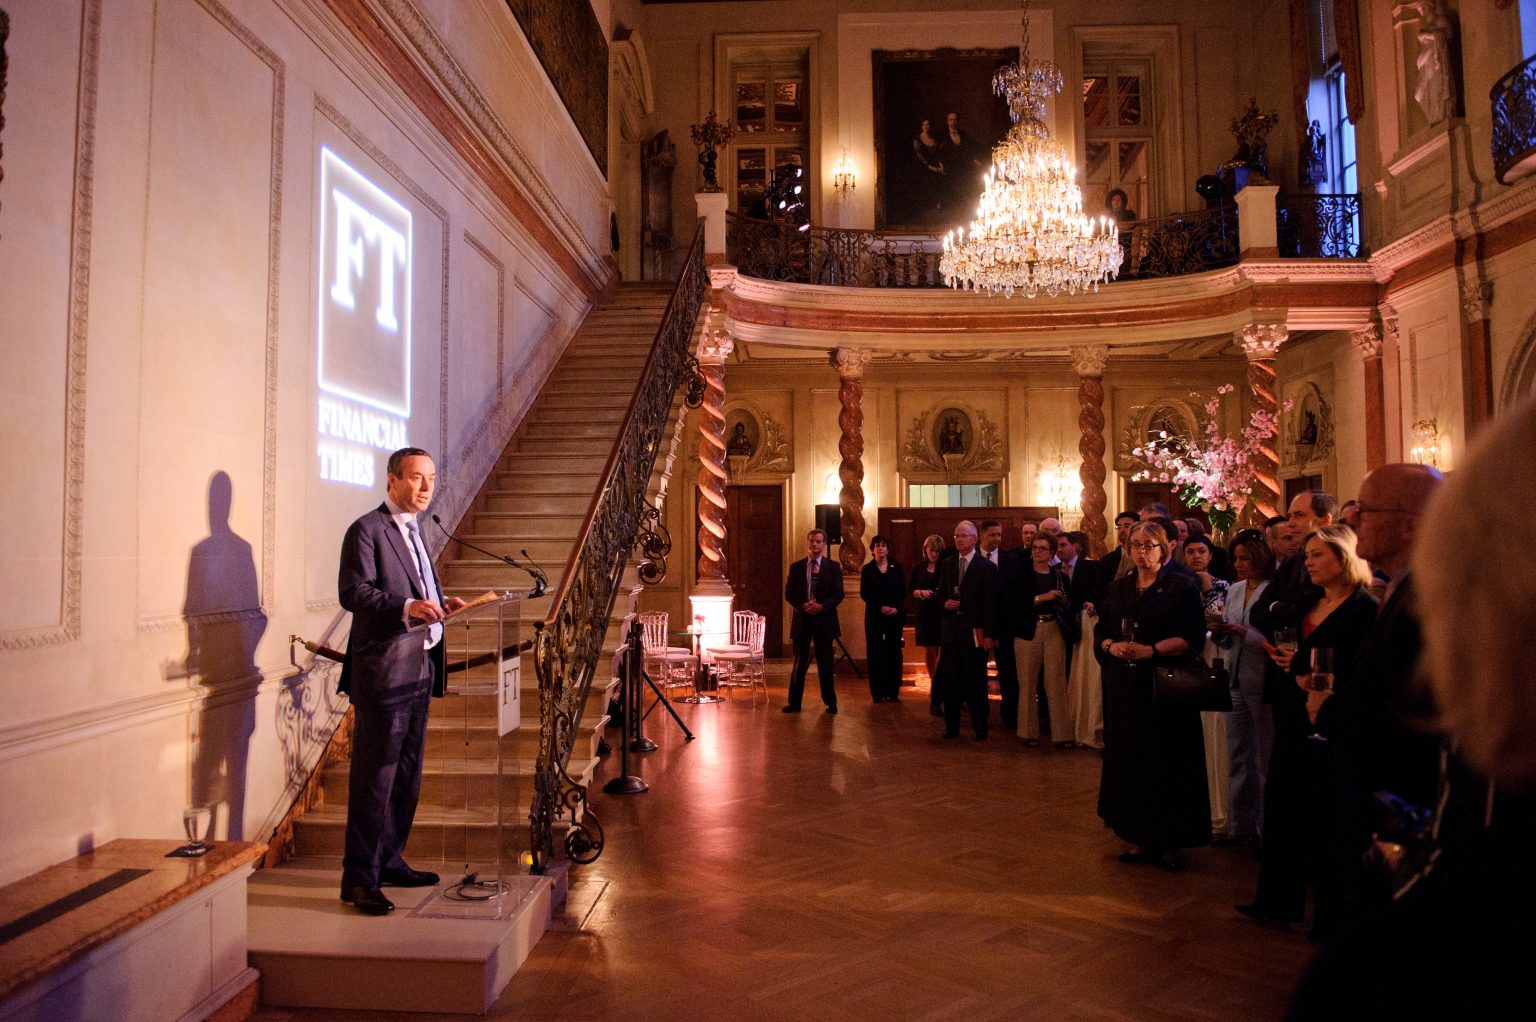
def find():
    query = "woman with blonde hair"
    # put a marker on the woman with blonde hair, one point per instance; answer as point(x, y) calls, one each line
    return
point(1153, 791)
point(1300, 799)
point(928, 620)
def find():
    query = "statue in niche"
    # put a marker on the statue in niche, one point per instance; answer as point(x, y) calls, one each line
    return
point(951, 436)
point(1307, 437)
point(1433, 89)
point(739, 443)
point(1314, 162)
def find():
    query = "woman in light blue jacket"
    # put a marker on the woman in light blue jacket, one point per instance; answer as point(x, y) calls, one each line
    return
point(1251, 729)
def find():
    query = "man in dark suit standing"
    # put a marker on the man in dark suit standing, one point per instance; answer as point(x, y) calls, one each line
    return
point(970, 629)
point(1010, 569)
point(1085, 585)
point(394, 665)
point(1370, 716)
point(814, 589)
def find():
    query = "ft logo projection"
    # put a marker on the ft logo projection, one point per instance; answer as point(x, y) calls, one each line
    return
point(364, 297)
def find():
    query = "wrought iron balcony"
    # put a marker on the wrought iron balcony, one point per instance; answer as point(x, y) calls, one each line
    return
point(1318, 226)
point(1514, 123)
point(1162, 247)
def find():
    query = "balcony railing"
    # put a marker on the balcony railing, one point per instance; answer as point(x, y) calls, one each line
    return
point(1172, 246)
point(1162, 247)
point(1318, 226)
point(770, 250)
point(1514, 123)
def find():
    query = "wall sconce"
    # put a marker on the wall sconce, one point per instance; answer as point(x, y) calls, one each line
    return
point(1060, 486)
point(843, 177)
point(1426, 443)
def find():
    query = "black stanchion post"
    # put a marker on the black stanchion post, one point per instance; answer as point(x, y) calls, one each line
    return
point(630, 673)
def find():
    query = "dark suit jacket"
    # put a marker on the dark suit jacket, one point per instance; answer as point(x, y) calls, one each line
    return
point(829, 593)
point(1087, 585)
point(376, 578)
point(1368, 716)
point(980, 603)
point(1342, 631)
point(877, 590)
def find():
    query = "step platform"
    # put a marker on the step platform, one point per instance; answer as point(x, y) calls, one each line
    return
point(433, 953)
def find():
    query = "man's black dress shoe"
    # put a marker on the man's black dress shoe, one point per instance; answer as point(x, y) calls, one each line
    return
point(790, 709)
point(405, 876)
point(832, 710)
point(370, 901)
point(1144, 856)
point(935, 711)
point(979, 737)
point(951, 734)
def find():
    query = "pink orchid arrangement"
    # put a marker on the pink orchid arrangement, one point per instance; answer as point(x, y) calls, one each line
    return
point(1216, 474)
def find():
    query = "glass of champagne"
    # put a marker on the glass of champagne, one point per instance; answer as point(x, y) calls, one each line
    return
point(1285, 640)
point(1322, 670)
point(195, 821)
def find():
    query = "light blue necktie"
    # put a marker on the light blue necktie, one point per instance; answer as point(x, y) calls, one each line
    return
point(424, 576)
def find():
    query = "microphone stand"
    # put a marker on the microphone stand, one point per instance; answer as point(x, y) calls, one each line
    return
point(540, 580)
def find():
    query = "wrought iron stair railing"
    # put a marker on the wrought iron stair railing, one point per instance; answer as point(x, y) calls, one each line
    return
point(1514, 123)
point(569, 641)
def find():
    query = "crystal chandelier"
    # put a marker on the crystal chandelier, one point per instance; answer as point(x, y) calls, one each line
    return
point(1030, 233)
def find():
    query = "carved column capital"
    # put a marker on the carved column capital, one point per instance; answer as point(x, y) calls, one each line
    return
point(1261, 341)
point(716, 347)
point(850, 362)
point(1368, 340)
point(721, 277)
point(1089, 360)
point(1474, 301)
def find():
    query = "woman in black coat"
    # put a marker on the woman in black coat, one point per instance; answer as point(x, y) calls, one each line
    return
point(883, 588)
point(1300, 797)
point(1152, 792)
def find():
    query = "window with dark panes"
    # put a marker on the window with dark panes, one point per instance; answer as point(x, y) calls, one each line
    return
point(1118, 135)
point(771, 131)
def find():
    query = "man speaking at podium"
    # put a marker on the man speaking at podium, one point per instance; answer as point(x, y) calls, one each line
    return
point(394, 664)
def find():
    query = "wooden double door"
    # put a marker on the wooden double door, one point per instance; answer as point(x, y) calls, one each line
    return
point(754, 556)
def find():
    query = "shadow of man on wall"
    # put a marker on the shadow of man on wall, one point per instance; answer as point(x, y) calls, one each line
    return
point(225, 623)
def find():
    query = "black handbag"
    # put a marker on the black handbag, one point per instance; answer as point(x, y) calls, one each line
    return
point(1195, 684)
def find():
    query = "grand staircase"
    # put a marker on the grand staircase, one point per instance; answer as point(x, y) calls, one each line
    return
point(536, 500)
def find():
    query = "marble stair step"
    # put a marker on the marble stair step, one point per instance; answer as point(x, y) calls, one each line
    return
point(563, 428)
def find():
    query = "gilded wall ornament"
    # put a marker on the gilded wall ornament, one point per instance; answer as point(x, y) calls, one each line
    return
point(953, 442)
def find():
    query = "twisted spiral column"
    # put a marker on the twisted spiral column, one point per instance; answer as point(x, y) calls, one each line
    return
point(850, 446)
point(1089, 364)
point(713, 351)
point(1261, 343)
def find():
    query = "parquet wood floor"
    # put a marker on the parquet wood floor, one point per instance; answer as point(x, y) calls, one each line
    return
point(859, 867)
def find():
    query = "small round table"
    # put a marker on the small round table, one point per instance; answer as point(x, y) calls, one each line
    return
point(701, 673)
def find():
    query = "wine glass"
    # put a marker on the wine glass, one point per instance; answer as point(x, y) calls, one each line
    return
point(195, 820)
point(1285, 640)
point(1322, 670)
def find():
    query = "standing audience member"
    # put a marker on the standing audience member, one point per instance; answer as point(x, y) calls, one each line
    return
point(990, 541)
point(1040, 643)
point(1084, 681)
point(1213, 598)
point(1250, 726)
point(970, 629)
point(1451, 946)
point(930, 611)
point(1152, 791)
point(1277, 533)
point(814, 589)
point(1221, 563)
point(1370, 717)
point(883, 590)
point(1116, 562)
point(1299, 798)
